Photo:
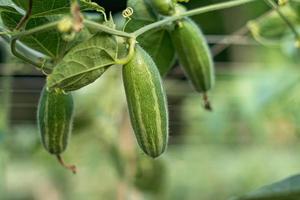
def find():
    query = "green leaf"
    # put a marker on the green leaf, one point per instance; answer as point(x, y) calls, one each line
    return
point(287, 189)
point(53, 7)
point(49, 43)
point(156, 42)
point(10, 19)
point(89, 5)
point(160, 47)
point(43, 8)
point(84, 63)
point(8, 9)
point(8, 5)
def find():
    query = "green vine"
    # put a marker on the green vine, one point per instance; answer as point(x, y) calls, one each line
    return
point(189, 13)
point(99, 27)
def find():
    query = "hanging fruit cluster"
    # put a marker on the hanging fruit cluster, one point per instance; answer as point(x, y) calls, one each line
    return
point(146, 99)
point(154, 35)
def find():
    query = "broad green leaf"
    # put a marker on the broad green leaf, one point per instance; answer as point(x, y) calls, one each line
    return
point(84, 63)
point(42, 7)
point(287, 189)
point(156, 42)
point(49, 43)
point(89, 5)
point(53, 7)
point(8, 5)
point(10, 19)
point(8, 9)
point(159, 45)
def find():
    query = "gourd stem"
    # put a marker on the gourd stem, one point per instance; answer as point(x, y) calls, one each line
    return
point(207, 104)
point(130, 54)
point(26, 17)
point(67, 166)
point(196, 11)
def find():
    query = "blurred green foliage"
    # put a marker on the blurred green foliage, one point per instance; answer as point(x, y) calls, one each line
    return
point(249, 140)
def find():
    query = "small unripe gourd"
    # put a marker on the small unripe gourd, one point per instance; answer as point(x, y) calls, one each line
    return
point(147, 103)
point(164, 7)
point(271, 26)
point(194, 55)
point(55, 115)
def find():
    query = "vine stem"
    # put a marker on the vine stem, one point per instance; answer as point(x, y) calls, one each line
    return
point(284, 18)
point(130, 54)
point(42, 28)
point(88, 23)
point(13, 46)
point(99, 27)
point(26, 17)
point(106, 29)
point(196, 11)
point(72, 168)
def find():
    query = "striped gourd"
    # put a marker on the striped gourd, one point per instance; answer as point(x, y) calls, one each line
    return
point(146, 103)
point(164, 7)
point(194, 54)
point(55, 114)
point(270, 28)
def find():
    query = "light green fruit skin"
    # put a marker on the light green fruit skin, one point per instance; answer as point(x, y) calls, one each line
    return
point(194, 54)
point(55, 116)
point(164, 7)
point(147, 103)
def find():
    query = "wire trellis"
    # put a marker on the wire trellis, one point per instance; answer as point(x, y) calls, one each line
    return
point(25, 93)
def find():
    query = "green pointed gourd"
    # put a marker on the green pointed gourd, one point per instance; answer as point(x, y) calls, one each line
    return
point(164, 7)
point(270, 28)
point(147, 103)
point(55, 115)
point(194, 54)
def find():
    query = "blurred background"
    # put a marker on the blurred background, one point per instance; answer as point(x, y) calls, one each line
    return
point(250, 139)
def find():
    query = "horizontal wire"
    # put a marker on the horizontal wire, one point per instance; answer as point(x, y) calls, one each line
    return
point(25, 91)
point(236, 40)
